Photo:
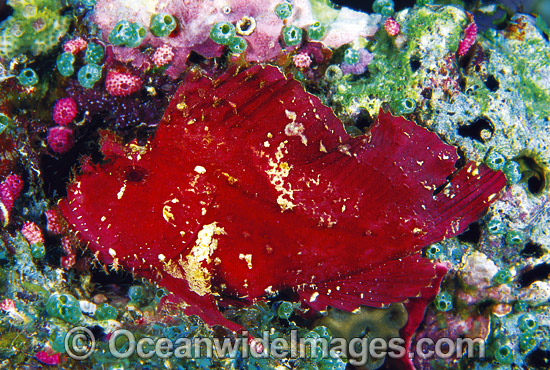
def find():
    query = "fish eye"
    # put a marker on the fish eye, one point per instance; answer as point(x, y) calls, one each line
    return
point(136, 174)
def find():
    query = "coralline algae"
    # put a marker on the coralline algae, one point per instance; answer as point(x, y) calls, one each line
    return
point(484, 90)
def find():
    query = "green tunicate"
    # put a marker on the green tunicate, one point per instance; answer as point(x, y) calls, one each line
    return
point(406, 106)
point(106, 312)
point(496, 227)
point(5, 123)
point(65, 307)
point(285, 310)
point(94, 53)
point(521, 306)
point(424, 2)
point(527, 342)
point(28, 77)
point(136, 293)
point(384, 7)
point(323, 332)
point(514, 237)
point(222, 33)
point(444, 302)
point(333, 73)
point(137, 35)
point(504, 276)
point(121, 33)
point(237, 45)
point(89, 75)
point(37, 250)
point(504, 354)
point(65, 63)
point(292, 35)
point(160, 293)
point(316, 31)
point(494, 160)
point(433, 252)
point(512, 171)
point(527, 323)
point(283, 10)
point(162, 24)
point(57, 340)
point(351, 56)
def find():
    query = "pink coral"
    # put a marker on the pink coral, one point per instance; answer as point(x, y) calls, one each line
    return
point(302, 60)
point(15, 183)
point(122, 83)
point(10, 189)
point(60, 139)
point(74, 46)
point(56, 225)
point(163, 55)
point(32, 232)
point(64, 111)
point(470, 35)
point(69, 259)
point(391, 26)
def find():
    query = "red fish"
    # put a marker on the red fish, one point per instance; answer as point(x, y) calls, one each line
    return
point(251, 186)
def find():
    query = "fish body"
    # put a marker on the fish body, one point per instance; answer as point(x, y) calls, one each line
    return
point(252, 186)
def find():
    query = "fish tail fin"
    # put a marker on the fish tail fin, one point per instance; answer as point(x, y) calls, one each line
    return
point(463, 200)
point(393, 281)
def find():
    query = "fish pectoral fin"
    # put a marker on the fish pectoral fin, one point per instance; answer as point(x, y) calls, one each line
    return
point(393, 281)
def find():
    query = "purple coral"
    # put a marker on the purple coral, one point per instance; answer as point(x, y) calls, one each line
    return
point(361, 66)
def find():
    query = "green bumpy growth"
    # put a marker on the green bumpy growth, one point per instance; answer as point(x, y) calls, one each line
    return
point(106, 312)
point(237, 45)
point(162, 24)
point(65, 64)
point(384, 7)
point(37, 250)
point(57, 340)
point(89, 75)
point(514, 237)
point(504, 276)
point(504, 354)
point(527, 323)
point(406, 106)
point(527, 342)
point(36, 26)
point(433, 252)
point(27, 77)
point(512, 171)
point(316, 31)
point(351, 56)
point(222, 33)
point(292, 35)
point(94, 53)
point(64, 307)
point(285, 310)
point(136, 293)
point(127, 34)
point(444, 302)
point(494, 160)
point(283, 10)
point(496, 227)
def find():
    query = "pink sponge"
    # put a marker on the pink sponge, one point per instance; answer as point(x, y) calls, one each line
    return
point(122, 83)
point(64, 111)
point(60, 139)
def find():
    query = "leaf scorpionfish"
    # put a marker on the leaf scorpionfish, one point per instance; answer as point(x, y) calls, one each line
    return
point(251, 186)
